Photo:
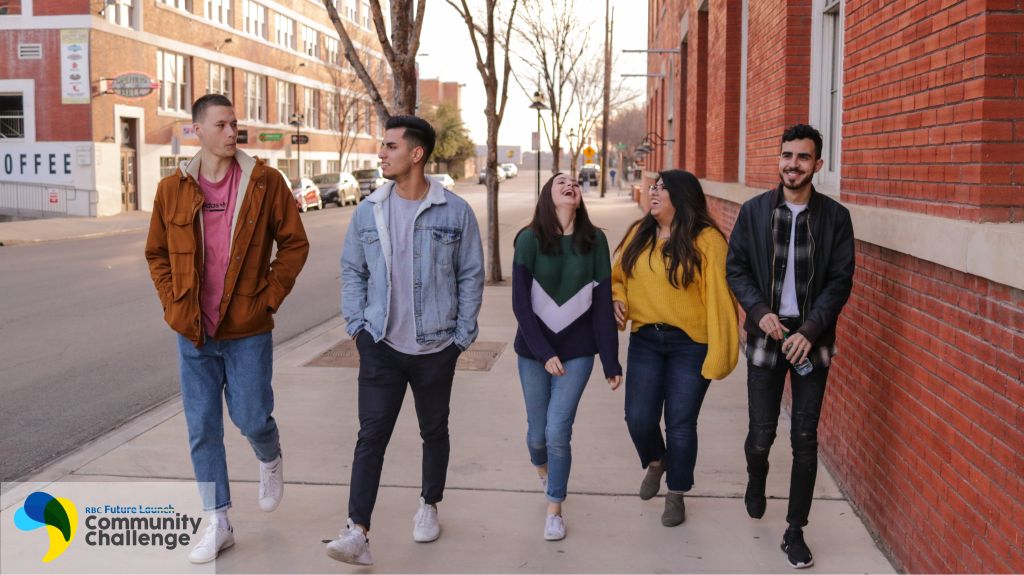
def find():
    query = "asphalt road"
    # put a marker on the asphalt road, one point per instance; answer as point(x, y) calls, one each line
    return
point(84, 346)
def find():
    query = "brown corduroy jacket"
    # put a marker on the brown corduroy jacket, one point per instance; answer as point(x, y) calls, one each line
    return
point(254, 287)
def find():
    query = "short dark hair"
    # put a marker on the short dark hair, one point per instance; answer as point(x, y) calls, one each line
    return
point(418, 132)
point(804, 132)
point(199, 106)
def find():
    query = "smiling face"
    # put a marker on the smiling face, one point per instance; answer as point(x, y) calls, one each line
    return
point(661, 206)
point(217, 130)
point(397, 155)
point(797, 163)
point(565, 192)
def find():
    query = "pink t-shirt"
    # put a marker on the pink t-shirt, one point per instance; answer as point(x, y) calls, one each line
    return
point(218, 211)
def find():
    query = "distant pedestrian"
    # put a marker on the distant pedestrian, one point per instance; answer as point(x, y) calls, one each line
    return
point(612, 173)
point(669, 281)
point(215, 224)
point(561, 296)
point(412, 285)
point(791, 263)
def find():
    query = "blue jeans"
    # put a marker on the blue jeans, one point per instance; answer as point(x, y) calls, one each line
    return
point(240, 371)
point(551, 403)
point(663, 373)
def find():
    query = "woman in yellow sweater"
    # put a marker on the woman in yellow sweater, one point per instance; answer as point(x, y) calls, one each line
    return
point(668, 279)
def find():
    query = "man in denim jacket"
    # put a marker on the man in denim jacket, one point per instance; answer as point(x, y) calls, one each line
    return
point(412, 284)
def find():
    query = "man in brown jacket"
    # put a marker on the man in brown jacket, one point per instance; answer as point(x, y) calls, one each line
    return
point(213, 228)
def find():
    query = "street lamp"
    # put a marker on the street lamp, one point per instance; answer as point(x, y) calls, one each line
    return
point(297, 120)
point(538, 104)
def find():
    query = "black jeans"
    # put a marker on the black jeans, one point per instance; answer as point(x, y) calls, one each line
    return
point(764, 392)
point(383, 375)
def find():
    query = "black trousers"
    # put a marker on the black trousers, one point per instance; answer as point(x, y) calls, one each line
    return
point(383, 376)
point(764, 393)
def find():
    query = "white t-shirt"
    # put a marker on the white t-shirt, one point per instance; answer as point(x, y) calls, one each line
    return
point(789, 307)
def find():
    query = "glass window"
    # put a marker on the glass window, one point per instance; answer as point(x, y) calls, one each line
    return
point(285, 101)
point(219, 11)
point(12, 116)
point(174, 76)
point(284, 31)
point(220, 80)
point(254, 19)
point(255, 97)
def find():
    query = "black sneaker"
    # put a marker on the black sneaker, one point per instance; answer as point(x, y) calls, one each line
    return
point(797, 552)
point(754, 498)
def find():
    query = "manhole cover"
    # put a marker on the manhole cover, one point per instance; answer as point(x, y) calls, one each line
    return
point(479, 357)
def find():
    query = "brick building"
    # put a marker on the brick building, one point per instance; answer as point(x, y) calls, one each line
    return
point(921, 104)
point(95, 95)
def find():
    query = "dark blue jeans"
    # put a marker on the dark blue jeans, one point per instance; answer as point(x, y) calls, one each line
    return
point(663, 374)
point(384, 375)
point(764, 392)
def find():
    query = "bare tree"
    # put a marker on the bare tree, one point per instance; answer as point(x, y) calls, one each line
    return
point(554, 40)
point(588, 86)
point(347, 108)
point(399, 51)
point(626, 130)
point(491, 38)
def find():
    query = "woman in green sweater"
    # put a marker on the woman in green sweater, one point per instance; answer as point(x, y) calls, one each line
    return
point(561, 296)
point(669, 281)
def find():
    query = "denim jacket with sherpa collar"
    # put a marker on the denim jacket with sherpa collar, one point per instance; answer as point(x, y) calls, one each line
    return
point(448, 268)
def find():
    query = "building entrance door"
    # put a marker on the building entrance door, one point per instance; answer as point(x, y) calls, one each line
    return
point(129, 165)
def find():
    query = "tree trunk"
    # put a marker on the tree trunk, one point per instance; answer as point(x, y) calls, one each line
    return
point(493, 232)
point(556, 157)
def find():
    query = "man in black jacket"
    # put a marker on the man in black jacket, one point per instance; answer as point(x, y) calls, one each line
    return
point(790, 264)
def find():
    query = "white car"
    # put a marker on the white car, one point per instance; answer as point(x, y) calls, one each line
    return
point(445, 180)
point(511, 170)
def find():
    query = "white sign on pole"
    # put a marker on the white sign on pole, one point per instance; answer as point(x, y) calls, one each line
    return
point(74, 67)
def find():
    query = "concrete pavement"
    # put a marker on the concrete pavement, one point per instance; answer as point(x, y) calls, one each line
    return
point(493, 512)
point(56, 229)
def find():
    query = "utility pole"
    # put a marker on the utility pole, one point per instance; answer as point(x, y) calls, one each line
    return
point(607, 96)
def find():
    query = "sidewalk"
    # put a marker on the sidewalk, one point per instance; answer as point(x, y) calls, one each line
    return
point(493, 512)
point(55, 229)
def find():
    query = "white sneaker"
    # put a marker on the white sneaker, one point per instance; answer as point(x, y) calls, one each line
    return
point(351, 547)
point(214, 540)
point(426, 528)
point(554, 528)
point(271, 484)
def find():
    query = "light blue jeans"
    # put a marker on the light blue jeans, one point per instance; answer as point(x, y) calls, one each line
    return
point(551, 403)
point(238, 370)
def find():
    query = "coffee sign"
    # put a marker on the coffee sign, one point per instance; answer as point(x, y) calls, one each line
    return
point(133, 85)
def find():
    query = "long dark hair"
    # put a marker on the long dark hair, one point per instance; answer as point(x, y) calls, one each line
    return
point(548, 230)
point(680, 251)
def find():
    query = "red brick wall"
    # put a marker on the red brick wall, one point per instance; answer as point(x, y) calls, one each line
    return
point(778, 81)
point(697, 94)
point(923, 424)
point(60, 7)
point(54, 121)
point(725, 28)
point(932, 105)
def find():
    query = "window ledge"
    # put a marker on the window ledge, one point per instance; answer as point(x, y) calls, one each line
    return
point(991, 251)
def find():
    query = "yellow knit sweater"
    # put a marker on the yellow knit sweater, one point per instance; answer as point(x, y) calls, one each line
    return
point(705, 309)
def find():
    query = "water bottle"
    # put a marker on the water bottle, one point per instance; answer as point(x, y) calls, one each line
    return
point(804, 367)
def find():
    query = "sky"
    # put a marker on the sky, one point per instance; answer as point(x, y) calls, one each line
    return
point(447, 53)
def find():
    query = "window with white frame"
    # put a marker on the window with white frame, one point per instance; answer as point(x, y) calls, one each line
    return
point(367, 16)
point(827, 88)
point(309, 43)
point(350, 10)
point(331, 49)
point(333, 166)
point(121, 13)
point(168, 164)
point(185, 5)
point(351, 118)
point(312, 168)
point(174, 75)
point(366, 117)
point(10, 7)
point(254, 17)
point(285, 101)
point(255, 97)
point(220, 80)
point(284, 31)
point(219, 11)
point(333, 112)
point(312, 108)
point(12, 116)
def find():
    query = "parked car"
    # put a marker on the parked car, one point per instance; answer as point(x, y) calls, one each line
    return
point(511, 170)
point(483, 175)
point(339, 188)
point(446, 181)
point(591, 173)
point(306, 194)
point(369, 180)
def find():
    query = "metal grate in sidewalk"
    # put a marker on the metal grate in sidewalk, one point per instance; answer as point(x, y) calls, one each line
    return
point(480, 357)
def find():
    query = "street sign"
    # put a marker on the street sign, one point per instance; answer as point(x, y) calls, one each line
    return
point(270, 136)
point(589, 153)
point(243, 137)
point(133, 85)
point(300, 139)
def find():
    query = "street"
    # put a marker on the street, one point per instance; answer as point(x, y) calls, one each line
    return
point(85, 348)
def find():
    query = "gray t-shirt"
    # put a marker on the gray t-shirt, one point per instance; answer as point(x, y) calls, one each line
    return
point(401, 332)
